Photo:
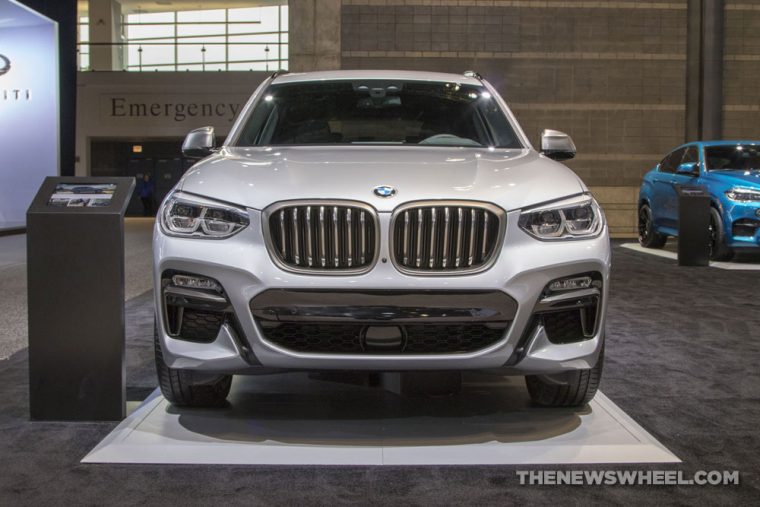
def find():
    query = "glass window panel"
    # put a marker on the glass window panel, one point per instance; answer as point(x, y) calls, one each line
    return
point(270, 21)
point(261, 25)
point(246, 14)
point(84, 61)
point(284, 18)
point(158, 54)
point(136, 32)
point(254, 49)
point(202, 15)
point(183, 30)
point(191, 50)
point(245, 28)
point(153, 17)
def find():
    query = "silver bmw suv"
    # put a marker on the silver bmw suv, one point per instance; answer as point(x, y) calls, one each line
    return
point(379, 220)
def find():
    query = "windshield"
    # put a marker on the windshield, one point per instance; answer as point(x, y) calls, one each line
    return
point(378, 112)
point(740, 157)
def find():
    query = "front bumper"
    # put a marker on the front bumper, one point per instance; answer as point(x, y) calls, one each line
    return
point(244, 268)
point(742, 224)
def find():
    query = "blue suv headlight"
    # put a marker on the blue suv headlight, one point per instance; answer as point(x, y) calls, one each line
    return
point(743, 194)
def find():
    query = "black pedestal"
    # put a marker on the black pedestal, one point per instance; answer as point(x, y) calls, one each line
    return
point(75, 262)
point(693, 226)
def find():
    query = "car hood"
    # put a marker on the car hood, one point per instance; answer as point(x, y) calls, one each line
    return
point(736, 178)
point(257, 177)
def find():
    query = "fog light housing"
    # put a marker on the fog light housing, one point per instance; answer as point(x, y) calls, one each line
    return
point(195, 282)
point(574, 283)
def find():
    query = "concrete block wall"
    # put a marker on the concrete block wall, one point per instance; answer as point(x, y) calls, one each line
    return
point(611, 74)
point(741, 64)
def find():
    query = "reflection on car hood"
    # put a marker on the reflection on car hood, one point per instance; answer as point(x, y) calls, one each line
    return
point(257, 177)
point(739, 178)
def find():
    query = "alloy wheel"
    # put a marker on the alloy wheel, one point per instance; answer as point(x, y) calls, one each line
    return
point(645, 224)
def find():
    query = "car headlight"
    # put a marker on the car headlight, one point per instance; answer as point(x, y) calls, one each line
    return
point(196, 217)
point(743, 194)
point(574, 218)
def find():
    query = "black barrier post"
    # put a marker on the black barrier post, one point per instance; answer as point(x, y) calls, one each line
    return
point(693, 226)
point(75, 271)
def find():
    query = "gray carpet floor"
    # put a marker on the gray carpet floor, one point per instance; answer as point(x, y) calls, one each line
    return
point(682, 356)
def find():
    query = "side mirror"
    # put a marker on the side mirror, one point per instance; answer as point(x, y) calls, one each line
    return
point(199, 143)
point(557, 145)
point(688, 169)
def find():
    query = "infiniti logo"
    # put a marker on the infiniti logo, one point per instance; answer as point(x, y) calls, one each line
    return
point(385, 191)
point(5, 65)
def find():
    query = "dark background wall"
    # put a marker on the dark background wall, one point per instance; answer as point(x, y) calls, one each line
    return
point(741, 64)
point(64, 12)
point(612, 75)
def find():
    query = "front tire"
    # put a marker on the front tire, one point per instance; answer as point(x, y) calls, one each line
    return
point(648, 236)
point(718, 249)
point(568, 389)
point(187, 388)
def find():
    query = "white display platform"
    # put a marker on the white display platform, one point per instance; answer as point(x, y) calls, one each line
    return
point(289, 419)
point(748, 266)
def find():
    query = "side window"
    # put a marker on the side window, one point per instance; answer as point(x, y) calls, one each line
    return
point(669, 163)
point(691, 156)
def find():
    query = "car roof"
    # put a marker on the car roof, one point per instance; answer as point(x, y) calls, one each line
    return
point(731, 142)
point(406, 75)
point(725, 142)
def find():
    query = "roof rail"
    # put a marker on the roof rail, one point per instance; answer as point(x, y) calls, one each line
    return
point(472, 73)
point(279, 73)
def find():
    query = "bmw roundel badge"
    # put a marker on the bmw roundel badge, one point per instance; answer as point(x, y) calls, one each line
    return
point(385, 191)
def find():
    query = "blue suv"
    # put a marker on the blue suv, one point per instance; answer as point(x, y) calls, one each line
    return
point(729, 171)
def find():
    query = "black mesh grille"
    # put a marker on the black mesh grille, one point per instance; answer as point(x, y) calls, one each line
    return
point(444, 238)
point(318, 236)
point(564, 327)
point(448, 339)
point(198, 326)
point(347, 338)
point(327, 338)
point(745, 227)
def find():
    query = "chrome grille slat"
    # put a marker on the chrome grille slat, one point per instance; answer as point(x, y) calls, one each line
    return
point(296, 236)
point(420, 232)
point(283, 237)
point(460, 235)
point(473, 230)
point(322, 238)
point(328, 236)
point(433, 238)
point(406, 237)
point(485, 235)
point(363, 229)
point(336, 237)
point(349, 239)
point(445, 260)
point(440, 237)
point(309, 250)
